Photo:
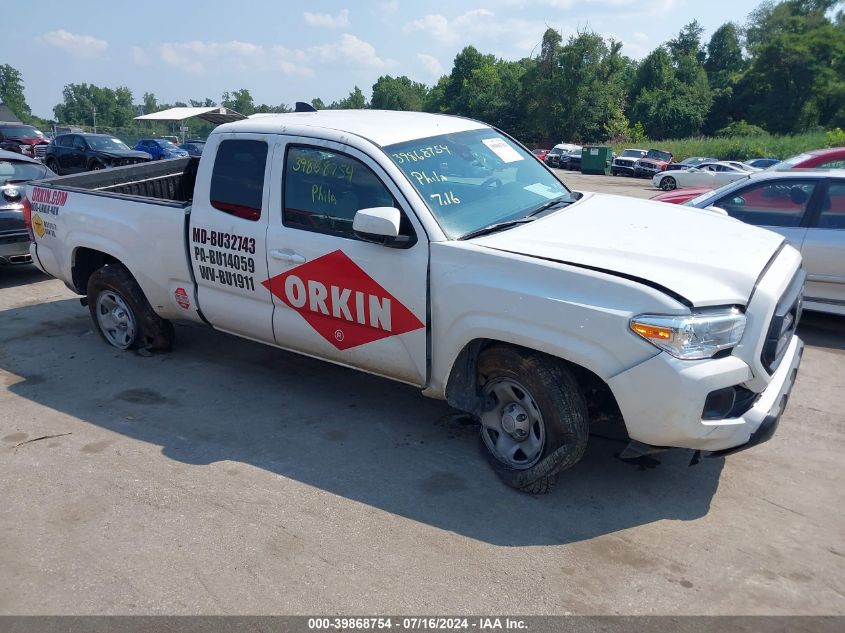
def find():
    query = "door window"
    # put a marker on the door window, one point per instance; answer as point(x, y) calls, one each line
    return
point(237, 181)
point(833, 207)
point(324, 189)
point(780, 203)
point(79, 144)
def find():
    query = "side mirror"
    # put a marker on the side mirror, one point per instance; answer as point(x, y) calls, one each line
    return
point(716, 210)
point(380, 225)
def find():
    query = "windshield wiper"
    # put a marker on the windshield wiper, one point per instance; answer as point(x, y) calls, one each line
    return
point(547, 205)
point(529, 217)
point(497, 226)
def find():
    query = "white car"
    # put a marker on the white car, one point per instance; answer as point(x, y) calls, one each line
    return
point(706, 175)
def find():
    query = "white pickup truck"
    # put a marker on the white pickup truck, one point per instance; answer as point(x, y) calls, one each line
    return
point(437, 251)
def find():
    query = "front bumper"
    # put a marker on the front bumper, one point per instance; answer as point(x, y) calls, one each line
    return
point(662, 401)
point(14, 248)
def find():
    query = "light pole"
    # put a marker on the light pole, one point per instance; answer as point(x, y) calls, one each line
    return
point(95, 118)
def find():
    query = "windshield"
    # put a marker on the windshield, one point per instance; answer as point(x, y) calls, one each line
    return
point(473, 179)
point(789, 163)
point(658, 155)
point(104, 142)
point(24, 131)
point(11, 170)
point(632, 153)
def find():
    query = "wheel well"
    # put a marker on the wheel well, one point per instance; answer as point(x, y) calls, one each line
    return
point(462, 388)
point(85, 262)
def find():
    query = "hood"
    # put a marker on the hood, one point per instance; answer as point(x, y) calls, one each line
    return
point(35, 140)
point(706, 258)
point(123, 153)
point(627, 159)
point(679, 196)
point(654, 161)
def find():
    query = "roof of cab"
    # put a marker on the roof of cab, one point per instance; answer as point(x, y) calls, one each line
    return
point(382, 127)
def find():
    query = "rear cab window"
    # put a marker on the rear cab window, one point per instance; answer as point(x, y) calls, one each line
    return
point(237, 180)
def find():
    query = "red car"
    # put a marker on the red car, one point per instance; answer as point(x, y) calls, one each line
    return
point(540, 154)
point(679, 196)
point(831, 158)
point(22, 139)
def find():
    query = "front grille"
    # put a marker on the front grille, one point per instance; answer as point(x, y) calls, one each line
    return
point(784, 323)
point(40, 151)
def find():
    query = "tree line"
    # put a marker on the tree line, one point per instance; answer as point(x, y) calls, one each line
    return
point(782, 72)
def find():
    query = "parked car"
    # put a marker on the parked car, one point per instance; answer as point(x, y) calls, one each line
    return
point(571, 160)
point(654, 162)
point(762, 163)
point(553, 157)
point(72, 153)
point(708, 174)
point(23, 139)
point(540, 154)
point(679, 196)
point(194, 147)
point(808, 209)
point(624, 164)
point(831, 158)
point(15, 171)
point(160, 148)
point(509, 297)
point(692, 161)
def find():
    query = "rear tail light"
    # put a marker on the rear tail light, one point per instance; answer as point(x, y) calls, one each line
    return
point(27, 218)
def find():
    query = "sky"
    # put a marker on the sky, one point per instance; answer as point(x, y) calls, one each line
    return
point(285, 52)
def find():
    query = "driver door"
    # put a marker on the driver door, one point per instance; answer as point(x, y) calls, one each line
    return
point(339, 297)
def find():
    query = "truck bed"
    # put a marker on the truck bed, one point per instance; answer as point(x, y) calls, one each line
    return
point(169, 182)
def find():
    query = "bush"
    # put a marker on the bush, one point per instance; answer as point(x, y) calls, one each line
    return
point(740, 147)
point(836, 138)
point(741, 128)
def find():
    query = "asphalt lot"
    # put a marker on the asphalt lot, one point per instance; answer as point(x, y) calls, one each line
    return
point(232, 478)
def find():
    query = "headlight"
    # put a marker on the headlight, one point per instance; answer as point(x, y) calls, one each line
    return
point(694, 336)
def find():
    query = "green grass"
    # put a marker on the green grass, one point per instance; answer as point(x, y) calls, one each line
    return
point(737, 147)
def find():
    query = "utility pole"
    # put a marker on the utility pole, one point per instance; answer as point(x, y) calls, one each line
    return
point(94, 108)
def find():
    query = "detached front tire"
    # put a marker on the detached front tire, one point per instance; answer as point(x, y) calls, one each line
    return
point(121, 313)
point(534, 422)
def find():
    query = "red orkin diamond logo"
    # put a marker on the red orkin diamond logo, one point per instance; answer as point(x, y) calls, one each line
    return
point(341, 302)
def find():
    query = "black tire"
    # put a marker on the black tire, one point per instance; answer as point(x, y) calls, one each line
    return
point(560, 403)
point(95, 165)
point(152, 332)
point(613, 172)
point(53, 165)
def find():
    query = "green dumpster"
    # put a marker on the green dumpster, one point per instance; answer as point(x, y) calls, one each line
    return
point(596, 160)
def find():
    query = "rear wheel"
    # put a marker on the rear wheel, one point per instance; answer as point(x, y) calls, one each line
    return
point(668, 183)
point(534, 422)
point(53, 165)
point(121, 313)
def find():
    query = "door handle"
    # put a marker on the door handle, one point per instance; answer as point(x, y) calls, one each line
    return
point(287, 255)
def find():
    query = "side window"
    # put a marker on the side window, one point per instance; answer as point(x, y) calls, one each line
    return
point(237, 181)
point(324, 189)
point(833, 207)
point(79, 144)
point(833, 164)
point(779, 203)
